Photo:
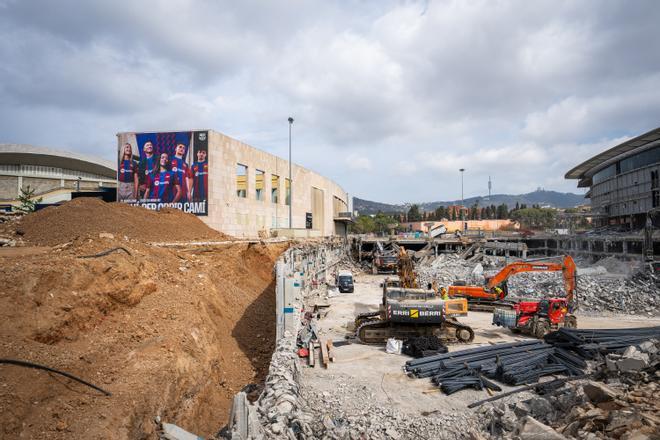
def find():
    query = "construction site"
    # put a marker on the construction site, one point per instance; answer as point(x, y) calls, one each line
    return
point(109, 331)
point(332, 220)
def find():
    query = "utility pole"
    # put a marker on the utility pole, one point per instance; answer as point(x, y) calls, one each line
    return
point(290, 181)
point(462, 200)
point(489, 187)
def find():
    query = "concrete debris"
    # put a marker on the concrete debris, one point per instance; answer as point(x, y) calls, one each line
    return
point(598, 392)
point(7, 242)
point(634, 358)
point(532, 429)
point(588, 410)
point(357, 413)
point(635, 295)
point(173, 432)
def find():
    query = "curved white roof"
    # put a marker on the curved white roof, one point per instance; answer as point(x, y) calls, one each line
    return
point(590, 166)
point(21, 154)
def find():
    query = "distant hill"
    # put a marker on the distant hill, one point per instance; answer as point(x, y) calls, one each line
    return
point(539, 197)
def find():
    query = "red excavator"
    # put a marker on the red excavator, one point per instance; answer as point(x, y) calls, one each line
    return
point(536, 317)
point(494, 291)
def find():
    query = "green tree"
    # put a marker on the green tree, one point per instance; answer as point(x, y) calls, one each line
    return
point(502, 212)
point(535, 218)
point(440, 213)
point(28, 202)
point(413, 214)
point(364, 224)
point(384, 223)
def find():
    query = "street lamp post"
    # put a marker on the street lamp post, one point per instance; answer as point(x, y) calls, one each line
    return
point(462, 201)
point(290, 181)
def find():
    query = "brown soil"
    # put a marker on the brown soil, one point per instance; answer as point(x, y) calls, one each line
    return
point(170, 333)
point(87, 217)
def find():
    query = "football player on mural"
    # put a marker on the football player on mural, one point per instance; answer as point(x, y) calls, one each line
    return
point(147, 167)
point(200, 182)
point(180, 168)
point(163, 185)
point(127, 174)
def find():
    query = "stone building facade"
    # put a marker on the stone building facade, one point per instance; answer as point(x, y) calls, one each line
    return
point(248, 197)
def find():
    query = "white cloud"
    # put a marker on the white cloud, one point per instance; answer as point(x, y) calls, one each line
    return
point(358, 162)
point(521, 91)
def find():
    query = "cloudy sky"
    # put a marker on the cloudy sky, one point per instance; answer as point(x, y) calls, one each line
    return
point(390, 98)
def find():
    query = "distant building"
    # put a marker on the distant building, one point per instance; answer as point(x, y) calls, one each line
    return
point(623, 181)
point(53, 174)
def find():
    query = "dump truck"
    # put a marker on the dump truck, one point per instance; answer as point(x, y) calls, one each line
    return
point(384, 260)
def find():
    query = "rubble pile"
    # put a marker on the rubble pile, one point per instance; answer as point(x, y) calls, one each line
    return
point(279, 404)
point(351, 410)
point(626, 407)
point(609, 286)
point(448, 268)
point(635, 295)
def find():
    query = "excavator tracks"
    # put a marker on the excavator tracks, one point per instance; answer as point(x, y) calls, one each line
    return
point(379, 331)
point(363, 318)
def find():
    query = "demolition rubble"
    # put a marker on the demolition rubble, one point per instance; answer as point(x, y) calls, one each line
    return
point(602, 287)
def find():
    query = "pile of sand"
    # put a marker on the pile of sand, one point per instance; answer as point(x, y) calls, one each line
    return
point(170, 333)
point(88, 217)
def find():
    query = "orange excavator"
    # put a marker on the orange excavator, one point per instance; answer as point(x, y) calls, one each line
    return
point(494, 291)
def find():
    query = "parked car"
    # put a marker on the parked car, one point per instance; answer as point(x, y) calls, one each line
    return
point(345, 281)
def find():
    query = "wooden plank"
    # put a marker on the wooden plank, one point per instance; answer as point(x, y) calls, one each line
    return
point(324, 354)
point(331, 351)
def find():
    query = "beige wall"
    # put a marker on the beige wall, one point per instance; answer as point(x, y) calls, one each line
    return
point(452, 226)
point(245, 217)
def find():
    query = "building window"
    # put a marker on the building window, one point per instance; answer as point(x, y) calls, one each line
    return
point(241, 180)
point(287, 187)
point(654, 179)
point(259, 185)
point(274, 188)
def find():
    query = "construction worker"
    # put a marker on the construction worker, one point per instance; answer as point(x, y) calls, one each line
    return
point(499, 291)
point(443, 294)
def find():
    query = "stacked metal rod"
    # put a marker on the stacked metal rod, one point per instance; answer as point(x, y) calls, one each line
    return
point(514, 363)
point(563, 352)
point(595, 343)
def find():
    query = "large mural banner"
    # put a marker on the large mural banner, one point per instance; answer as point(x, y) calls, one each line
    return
point(158, 170)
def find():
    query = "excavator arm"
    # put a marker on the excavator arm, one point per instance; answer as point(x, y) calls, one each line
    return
point(493, 290)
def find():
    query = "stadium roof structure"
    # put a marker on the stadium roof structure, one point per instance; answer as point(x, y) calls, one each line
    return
point(20, 154)
point(590, 166)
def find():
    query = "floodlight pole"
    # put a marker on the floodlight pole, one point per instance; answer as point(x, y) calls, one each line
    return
point(462, 200)
point(290, 181)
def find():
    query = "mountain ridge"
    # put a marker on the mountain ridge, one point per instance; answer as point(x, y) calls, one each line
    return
point(541, 197)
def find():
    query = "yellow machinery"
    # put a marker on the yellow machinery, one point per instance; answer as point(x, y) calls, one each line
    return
point(408, 311)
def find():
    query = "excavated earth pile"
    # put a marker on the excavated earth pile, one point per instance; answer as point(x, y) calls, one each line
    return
point(173, 333)
point(85, 217)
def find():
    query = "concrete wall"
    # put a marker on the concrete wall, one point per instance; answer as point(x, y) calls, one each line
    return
point(246, 217)
point(8, 187)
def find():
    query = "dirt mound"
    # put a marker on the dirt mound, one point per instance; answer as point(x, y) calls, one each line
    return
point(87, 217)
point(174, 333)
